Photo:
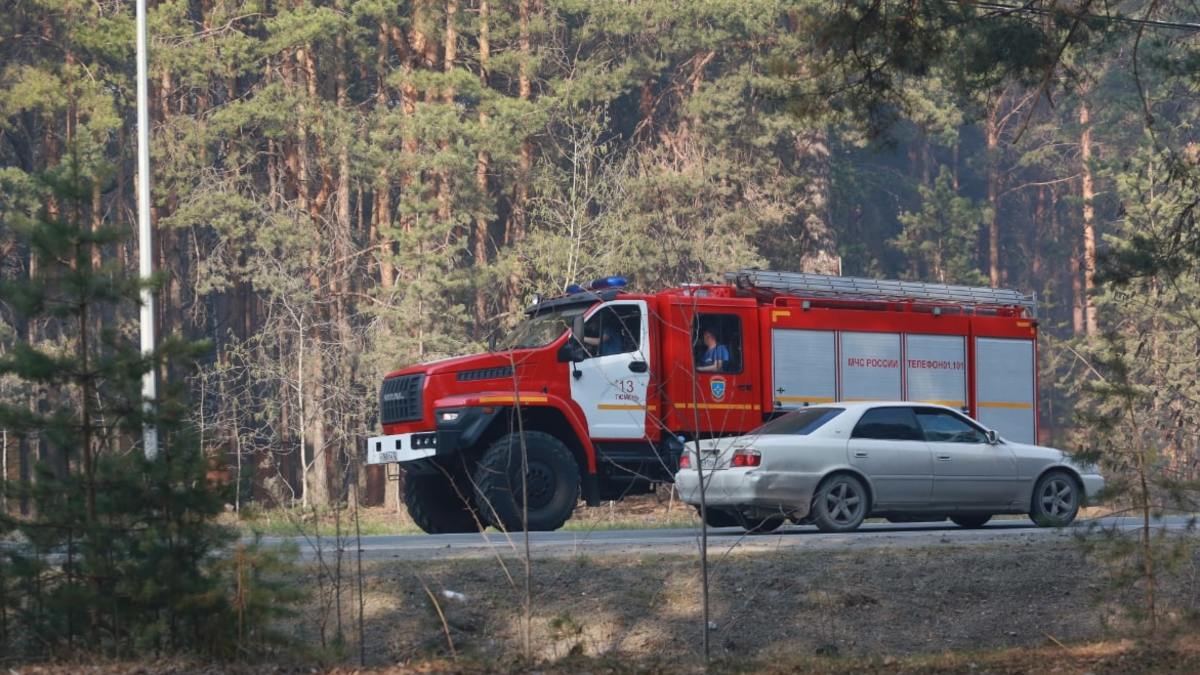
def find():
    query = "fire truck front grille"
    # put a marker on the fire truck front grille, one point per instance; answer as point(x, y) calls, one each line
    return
point(400, 399)
point(485, 373)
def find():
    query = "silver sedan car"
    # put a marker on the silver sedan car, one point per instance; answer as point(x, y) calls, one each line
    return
point(834, 465)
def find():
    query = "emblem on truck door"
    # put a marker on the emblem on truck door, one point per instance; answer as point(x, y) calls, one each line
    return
point(717, 387)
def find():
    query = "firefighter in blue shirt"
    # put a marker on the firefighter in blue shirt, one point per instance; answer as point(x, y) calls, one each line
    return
point(716, 358)
point(609, 342)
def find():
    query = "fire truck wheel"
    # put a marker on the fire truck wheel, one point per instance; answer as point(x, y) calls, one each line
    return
point(436, 507)
point(551, 482)
point(715, 517)
point(840, 504)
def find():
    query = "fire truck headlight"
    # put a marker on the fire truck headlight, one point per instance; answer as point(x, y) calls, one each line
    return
point(448, 415)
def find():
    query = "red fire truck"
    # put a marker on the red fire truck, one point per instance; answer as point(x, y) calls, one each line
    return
point(598, 389)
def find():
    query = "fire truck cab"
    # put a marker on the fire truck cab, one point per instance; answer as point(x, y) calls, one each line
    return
point(596, 391)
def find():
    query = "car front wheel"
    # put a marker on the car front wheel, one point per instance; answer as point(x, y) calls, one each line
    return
point(840, 504)
point(1055, 500)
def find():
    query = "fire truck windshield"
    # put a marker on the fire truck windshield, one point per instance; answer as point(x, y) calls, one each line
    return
point(542, 329)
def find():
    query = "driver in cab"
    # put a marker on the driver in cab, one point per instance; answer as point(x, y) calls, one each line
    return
point(715, 357)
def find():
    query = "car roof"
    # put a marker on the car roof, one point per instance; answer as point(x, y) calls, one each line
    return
point(865, 405)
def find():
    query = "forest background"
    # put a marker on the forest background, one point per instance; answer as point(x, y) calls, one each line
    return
point(345, 187)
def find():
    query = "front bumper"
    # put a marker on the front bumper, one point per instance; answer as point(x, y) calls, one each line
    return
point(750, 489)
point(401, 447)
point(451, 435)
point(1093, 483)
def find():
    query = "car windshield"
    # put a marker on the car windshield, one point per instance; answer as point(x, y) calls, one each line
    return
point(542, 329)
point(799, 422)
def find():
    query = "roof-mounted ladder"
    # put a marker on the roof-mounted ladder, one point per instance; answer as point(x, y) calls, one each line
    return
point(859, 288)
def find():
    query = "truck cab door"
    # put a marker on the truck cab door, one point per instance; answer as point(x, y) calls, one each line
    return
point(610, 385)
point(721, 397)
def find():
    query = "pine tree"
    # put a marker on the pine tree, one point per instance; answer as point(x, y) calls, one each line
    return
point(118, 554)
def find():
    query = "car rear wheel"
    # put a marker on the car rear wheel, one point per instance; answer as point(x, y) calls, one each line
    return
point(548, 491)
point(840, 504)
point(760, 525)
point(970, 522)
point(1055, 500)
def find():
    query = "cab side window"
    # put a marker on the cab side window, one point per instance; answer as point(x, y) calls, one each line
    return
point(717, 343)
point(614, 329)
point(943, 426)
point(888, 424)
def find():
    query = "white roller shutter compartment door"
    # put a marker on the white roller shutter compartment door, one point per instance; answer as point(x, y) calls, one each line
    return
point(804, 364)
point(1004, 387)
point(935, 369)
point(871, 367)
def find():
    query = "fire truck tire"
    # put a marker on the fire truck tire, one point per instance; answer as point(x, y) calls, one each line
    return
point(436, 507)
point(552, 482)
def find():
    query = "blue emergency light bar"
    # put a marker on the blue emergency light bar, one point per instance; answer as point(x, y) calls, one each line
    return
point(607, 282)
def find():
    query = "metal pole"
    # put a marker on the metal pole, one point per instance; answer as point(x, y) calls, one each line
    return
point(145, 246)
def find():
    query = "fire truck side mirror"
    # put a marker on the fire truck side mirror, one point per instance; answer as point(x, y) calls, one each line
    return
point(571, 352)
point(577, 329)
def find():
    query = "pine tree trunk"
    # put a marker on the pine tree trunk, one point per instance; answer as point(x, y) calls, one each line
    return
point(1035, 241)
point(381, 214)
point(993, 194)
point(1078, 326)
point(450, 57)
point(1089, 221)
point(343, 372)
point(482, 161)
point(517, 218)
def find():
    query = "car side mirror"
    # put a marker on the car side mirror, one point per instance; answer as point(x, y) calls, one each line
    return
point(571, 351)
point(992, 437)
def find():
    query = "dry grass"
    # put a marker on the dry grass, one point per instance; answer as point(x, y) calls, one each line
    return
point(773, 607)
point(1101, 658)
point(635, 513)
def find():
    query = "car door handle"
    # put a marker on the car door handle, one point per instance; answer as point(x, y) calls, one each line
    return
point(638, 366)
point(943, 458)
point(860, 454)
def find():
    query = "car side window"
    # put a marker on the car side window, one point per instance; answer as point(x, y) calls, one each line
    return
point(888, 424)
point(615, 329)
point(943, 426)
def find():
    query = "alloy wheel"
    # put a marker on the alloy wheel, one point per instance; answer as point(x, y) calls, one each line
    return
point(1058, 498)
point(843, 503)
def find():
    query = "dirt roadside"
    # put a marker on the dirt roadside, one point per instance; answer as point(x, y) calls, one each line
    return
point(767, 607)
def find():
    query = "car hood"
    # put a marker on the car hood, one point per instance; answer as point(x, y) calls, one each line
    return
point(1054, 455)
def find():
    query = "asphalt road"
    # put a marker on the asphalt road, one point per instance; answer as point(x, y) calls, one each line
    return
point(633, 542)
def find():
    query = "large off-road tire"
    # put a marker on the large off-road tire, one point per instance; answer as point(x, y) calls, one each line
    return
point(1056, 499)
point(551, 482)
point(840, 504)
point(437, 507)
point(971, 521)
point(715, 517)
